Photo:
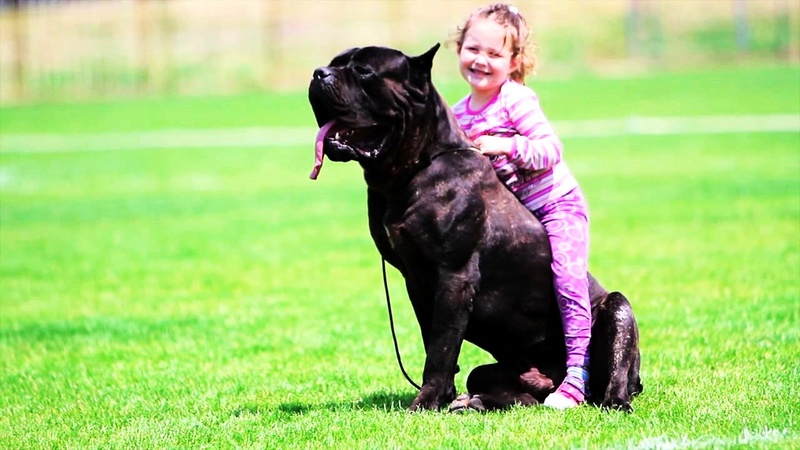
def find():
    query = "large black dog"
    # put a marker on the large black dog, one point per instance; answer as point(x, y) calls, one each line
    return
point(476, 262)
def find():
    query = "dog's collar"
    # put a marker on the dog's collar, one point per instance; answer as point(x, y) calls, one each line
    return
point(453, 150)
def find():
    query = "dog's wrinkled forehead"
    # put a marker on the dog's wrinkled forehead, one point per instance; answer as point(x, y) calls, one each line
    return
point(372, 59)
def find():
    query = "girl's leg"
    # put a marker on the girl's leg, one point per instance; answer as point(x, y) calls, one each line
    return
point(567, 225)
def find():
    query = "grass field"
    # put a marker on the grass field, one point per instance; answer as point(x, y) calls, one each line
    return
point(217, 298)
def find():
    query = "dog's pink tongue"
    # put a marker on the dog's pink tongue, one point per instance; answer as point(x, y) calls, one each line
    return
point(318, 154)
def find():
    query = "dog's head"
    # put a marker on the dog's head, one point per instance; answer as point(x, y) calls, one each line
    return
point(363, 101)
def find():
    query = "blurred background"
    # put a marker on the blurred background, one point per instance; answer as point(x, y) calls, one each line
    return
point(68, 50)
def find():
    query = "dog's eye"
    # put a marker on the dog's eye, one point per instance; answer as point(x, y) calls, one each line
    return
point(363, 71)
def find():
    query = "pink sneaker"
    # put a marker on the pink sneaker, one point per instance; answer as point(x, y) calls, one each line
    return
point(572, 391)
point(557, 400)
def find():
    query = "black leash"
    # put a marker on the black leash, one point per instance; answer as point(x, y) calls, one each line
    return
point(391, 325)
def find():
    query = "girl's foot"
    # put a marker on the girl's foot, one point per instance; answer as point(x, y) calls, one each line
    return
point(572, 391)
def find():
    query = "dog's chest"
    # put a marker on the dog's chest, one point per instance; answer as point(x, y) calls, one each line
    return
point(410, 229)
point(404, 234)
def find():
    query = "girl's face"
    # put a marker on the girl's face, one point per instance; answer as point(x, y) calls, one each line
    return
point(485, 57)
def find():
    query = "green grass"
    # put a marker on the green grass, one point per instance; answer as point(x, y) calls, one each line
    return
point(218, 298)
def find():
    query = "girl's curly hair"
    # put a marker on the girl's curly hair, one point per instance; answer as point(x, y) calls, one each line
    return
point(517, 29)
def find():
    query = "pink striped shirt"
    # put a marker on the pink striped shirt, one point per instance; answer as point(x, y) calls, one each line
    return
point(534, 170)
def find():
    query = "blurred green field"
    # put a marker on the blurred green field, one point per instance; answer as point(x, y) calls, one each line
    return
point(751, 90)
point(205, 297)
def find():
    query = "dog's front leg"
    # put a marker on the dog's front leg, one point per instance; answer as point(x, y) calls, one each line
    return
point(452, 307)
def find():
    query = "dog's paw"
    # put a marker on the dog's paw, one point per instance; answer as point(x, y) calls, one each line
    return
point(617, 404)
point(425, 402)
point(460, 404)
point(466, 402)
point(536, 382)
point(433, 397)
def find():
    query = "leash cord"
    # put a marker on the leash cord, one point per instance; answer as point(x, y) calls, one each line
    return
point(391, 325)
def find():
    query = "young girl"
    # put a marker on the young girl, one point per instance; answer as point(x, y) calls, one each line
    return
point(504, 119)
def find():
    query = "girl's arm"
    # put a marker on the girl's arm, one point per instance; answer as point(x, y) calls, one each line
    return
point(536, 147)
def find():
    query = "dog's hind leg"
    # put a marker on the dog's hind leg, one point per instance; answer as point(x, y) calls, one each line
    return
point(615, 359)
point(634, 381)
point(493, 386)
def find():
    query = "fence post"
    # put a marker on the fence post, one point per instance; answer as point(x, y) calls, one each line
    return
point(144, 63)
point(742, 28)
point(783, 30)
point(633, 24)
point(271, 64)
point(19, 36)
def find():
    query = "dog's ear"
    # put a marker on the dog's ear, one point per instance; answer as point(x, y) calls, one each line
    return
point(424, 62)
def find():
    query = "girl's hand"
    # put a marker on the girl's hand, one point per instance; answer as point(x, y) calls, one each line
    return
point(494, 145)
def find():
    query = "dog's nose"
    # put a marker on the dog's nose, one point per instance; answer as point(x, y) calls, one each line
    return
point(322, 73)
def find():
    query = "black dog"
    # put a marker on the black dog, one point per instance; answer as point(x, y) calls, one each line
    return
point(475, 260)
